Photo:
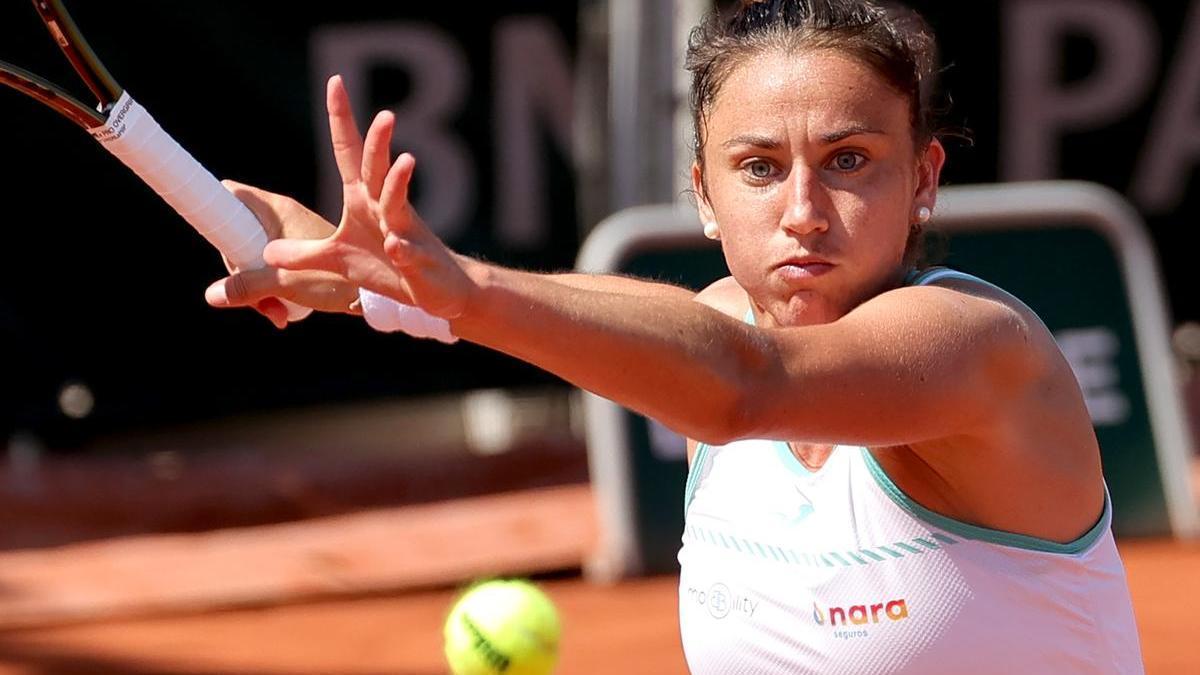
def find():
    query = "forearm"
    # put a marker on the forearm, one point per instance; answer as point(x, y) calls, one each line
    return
point(644, 345)
point(612, 283)
point(607, 283)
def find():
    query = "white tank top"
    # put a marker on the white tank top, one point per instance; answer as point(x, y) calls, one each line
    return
point(784, 570)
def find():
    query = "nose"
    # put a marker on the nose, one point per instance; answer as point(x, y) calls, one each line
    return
point(803, 210)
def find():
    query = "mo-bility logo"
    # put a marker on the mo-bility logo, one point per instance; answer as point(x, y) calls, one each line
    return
point(859, 615)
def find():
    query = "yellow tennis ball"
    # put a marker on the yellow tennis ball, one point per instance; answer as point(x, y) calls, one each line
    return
point(502, 627)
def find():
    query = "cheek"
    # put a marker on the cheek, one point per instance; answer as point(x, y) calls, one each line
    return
point(876, 233)
point(727, 199)
point(743, 258)
point(747, 218)
point(876, 216)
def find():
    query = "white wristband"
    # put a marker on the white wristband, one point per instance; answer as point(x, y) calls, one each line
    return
point(388, 316)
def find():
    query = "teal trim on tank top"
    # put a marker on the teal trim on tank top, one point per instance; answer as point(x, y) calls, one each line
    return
point(985, 534)
point(917, 277)
point(781, 552)
point(922, 277)
point(693, 477)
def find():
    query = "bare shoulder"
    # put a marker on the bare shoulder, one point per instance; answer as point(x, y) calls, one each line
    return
point(725, 296)
point(975, 315)
point(1006, 315)
point(1033, 468)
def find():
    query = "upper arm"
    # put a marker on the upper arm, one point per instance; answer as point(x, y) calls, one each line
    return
point(910, 365)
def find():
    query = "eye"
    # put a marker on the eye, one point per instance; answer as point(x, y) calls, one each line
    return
point(848, 162)
point(759, 169)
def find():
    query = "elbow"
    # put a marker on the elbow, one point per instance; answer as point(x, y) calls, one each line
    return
point(729, 418)
point(737, 392)
point(740, 411)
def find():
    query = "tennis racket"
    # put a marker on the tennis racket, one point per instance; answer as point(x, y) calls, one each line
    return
point(125, 129)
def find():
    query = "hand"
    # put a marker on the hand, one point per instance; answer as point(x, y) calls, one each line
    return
point(416, 268)
point(282, 217)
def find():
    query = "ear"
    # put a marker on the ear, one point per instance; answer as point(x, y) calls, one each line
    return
point(929, 175)
point(703, 207)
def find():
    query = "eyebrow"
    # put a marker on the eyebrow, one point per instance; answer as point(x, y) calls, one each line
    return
point(770, 143)
point(755, 140)
point(852, 130)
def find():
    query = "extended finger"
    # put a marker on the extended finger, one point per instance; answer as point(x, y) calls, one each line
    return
point(343, 132)
point(377, 152)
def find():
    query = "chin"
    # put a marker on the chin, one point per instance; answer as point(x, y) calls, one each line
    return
point(807, 308)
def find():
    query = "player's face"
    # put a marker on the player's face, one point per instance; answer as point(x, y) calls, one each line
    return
point(812, 174)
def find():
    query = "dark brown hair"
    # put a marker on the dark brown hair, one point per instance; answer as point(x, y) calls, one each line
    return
point(895, 42)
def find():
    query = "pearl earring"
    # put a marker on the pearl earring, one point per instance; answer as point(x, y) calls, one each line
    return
point(712, 231)
point(924, 215)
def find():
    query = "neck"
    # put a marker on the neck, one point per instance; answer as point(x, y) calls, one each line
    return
point(812, 455)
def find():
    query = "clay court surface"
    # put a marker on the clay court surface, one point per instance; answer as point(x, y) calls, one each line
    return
point(366, 593)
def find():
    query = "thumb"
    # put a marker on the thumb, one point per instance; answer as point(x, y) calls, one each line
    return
point(242, 289)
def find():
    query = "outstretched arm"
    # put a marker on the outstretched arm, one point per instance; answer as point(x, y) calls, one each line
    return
point(909, 365)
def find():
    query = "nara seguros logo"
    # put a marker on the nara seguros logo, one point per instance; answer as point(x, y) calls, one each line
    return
point(861, 615)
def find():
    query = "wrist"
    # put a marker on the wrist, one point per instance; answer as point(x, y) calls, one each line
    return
point(482, 277)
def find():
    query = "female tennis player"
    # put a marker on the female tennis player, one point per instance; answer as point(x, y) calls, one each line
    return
point(893, 468)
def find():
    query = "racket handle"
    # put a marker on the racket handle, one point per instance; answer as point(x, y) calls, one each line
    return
point(133, 137)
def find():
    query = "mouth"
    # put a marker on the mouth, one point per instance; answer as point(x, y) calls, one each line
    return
point(806, 267)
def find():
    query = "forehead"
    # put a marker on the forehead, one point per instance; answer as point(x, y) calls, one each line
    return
point(824, 90)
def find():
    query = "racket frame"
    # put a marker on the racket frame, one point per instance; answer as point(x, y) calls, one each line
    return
point(83, 59)
point(77, 50)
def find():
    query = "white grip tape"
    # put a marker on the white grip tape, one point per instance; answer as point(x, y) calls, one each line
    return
point(388, 316)
point(133, 137)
